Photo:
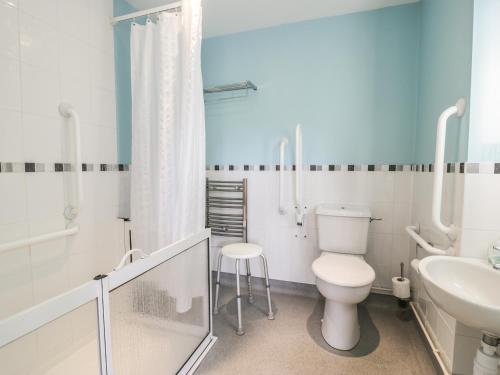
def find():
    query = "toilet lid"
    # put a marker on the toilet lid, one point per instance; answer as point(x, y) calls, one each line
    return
point(343, 270)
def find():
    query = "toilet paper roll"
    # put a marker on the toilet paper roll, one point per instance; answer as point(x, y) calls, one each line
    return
point(401, 289)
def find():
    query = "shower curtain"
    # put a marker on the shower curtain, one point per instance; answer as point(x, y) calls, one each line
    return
point(168, 136)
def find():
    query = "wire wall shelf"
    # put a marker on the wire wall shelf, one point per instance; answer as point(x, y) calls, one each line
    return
point(245, 85)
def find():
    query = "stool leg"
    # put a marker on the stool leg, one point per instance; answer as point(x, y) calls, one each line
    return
point(249, 281)
point(270, 315)
point(217, 285)
point(240, 331)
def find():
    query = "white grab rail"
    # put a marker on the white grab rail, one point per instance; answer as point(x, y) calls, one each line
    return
point(67, 111)
point(413, 232)
point(70, 212)
point(282, 208)
point(299, 209)
point(437, 196)
point(38, 239)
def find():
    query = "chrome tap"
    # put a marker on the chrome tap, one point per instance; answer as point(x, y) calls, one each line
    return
point(495, 259)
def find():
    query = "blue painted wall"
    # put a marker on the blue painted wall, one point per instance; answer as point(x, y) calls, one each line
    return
point(122, 79)
point(350, 80)
point(445, 75)
point(484, 134)
point(367, 87)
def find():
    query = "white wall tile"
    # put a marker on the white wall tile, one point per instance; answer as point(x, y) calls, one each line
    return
point(475, 243)
point(101, 32)
point(481, 204)
point(11, 136)
point(15, 272)
point(103, 107)
point(74, 18)
point(39, 43)
point(52, 65)
point(45, 195)
point(102, 69)
point(12, 198)
point(40, 91)
point(44, 10)
point(9, 30)
point(49, 262)
point(43, 138)
point(10, 95)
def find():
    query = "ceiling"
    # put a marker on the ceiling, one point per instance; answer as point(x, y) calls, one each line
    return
point(232, 16)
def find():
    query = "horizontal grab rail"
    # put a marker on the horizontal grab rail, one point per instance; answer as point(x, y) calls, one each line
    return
point(413, 232)
point(38, 239)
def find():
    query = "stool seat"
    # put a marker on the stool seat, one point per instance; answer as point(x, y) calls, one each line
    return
point(242, 250)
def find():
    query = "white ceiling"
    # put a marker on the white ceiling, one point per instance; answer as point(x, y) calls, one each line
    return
point(232, 16)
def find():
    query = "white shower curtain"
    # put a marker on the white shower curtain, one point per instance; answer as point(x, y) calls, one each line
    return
point(168, 134)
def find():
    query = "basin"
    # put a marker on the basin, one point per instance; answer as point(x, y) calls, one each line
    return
point(468, 289)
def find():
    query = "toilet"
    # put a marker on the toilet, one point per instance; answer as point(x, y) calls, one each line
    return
point(342, 275)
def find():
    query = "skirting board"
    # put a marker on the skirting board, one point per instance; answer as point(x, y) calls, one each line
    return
point(437, 361)
point(280, 286)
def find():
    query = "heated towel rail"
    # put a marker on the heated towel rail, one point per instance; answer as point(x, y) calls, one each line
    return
point(71, 211)
point(226, 208)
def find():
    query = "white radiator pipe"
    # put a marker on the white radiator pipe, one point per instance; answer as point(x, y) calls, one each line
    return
point(282, 207)
point(67, 111)
point(437, 196)
point(299, 207)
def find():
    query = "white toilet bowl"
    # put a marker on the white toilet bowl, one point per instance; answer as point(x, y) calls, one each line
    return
point(344, 280)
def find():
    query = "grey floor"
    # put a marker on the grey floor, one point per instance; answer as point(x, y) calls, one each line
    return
point(292, 343)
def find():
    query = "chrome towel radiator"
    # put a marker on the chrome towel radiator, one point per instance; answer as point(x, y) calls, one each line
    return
point(226, 208)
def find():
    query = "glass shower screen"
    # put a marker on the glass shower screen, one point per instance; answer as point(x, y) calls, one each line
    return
point(161, 317)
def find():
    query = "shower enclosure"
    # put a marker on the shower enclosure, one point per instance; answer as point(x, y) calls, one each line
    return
point(125, 322)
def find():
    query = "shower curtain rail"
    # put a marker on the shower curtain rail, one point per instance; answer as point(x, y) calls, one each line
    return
point(146, 12)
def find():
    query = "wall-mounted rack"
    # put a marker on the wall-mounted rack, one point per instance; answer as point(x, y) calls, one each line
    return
point(245, 85)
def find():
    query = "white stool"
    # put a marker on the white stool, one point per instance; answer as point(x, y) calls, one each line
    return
point(239, 251)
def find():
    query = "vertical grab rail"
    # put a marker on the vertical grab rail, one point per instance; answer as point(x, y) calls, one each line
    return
point(282, 208)
point(437, 196)
point(70, 212)
point(299, 209)
point(67, 111)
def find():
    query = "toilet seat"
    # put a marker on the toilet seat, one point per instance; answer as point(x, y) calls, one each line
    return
point(343, 270)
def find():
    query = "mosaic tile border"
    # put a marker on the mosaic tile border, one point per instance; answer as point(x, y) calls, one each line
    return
point(30, 167)
point(468, 168)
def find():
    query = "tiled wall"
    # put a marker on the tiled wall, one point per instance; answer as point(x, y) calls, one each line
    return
point(291, 249)
point(471, 203)
point(53, 51)
point(439, 323)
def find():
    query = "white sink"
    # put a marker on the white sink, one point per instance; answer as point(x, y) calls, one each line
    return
point(467, 289)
